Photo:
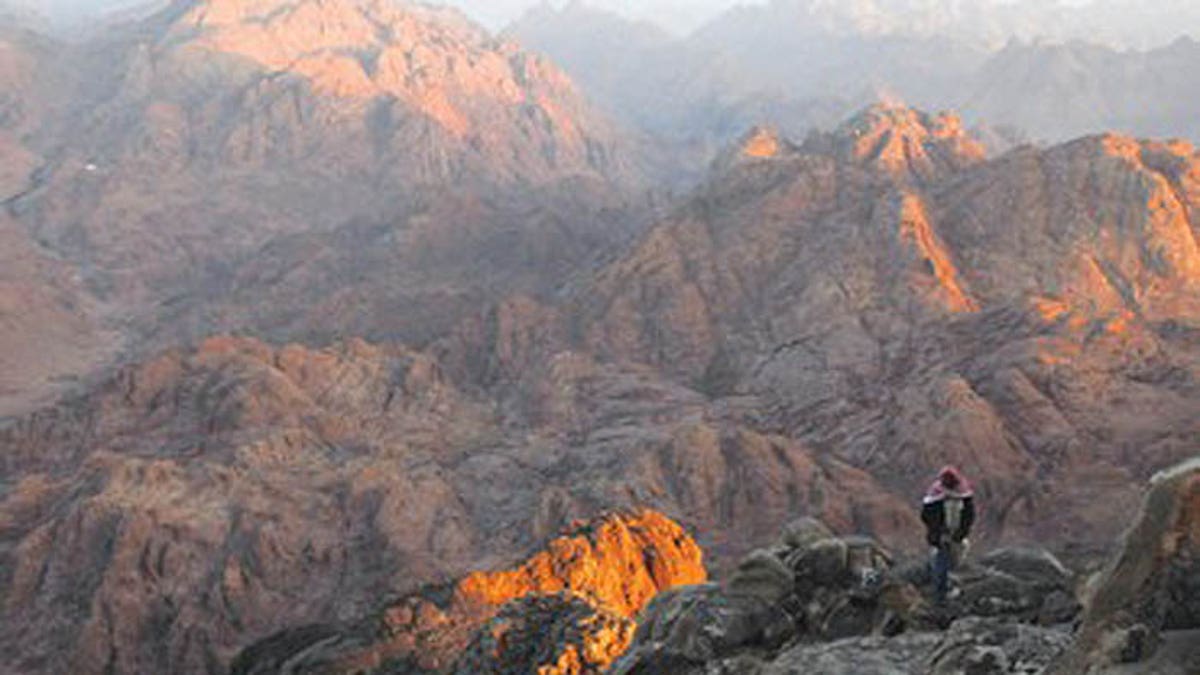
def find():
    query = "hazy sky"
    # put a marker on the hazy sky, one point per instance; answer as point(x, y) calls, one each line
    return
point(678, 15)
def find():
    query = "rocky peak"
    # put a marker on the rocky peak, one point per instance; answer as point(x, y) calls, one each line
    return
point(761, 143)
point(432, 58)
point(395, 87)
point(903, 143)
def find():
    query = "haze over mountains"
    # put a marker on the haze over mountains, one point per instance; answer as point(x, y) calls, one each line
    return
point(311, 308)
point(801, 66)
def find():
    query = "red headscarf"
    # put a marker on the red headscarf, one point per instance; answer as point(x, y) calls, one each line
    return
point(949, 483)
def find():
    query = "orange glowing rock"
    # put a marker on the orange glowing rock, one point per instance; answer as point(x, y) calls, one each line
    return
point(761, 144)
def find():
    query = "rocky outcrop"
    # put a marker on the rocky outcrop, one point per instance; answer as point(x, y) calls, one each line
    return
point(567, 610)
point(1150, 588)
point(548, 635)
point(842, 605)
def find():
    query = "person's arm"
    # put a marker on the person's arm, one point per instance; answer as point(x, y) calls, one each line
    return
point(968, 519)
point(934, 519)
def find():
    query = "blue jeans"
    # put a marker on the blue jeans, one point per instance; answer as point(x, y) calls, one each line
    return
point(943, 561)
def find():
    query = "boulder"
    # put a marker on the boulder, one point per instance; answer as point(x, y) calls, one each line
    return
point(1031, 565)
point(804, 532)
point(702, 625)
point(550, 635)
point(761, 575)
point(982, 646)
point(824, 563)
point(1150, 586)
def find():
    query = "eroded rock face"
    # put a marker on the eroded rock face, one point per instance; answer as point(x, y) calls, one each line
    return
point(548, 635)
point(567, 609)
point(1151, 585)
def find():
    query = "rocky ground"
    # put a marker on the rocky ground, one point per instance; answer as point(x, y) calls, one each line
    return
point(811, 603)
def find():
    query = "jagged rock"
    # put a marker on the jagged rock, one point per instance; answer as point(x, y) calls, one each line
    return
point(970, 647)
point(902, 655)
point(978, 646)
point(548, 635)
point(834, 588)
point(567, 609)
point(362, 472)
point(1149, 587)
point(1025, 584)
point(1038, 567)
point(823, 563)
point(703, 624)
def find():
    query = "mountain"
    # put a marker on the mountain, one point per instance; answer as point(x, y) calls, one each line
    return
point(743, 68)
point(208, 498)
point(810, 601)
point(50, 329)
point(380, 156)
point(898, 301)
point(1066, 90)
point(571, 605)
point(1027, 70)
point(815, 331)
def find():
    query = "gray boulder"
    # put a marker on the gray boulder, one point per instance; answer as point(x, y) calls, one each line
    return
point(761, 575)
point(803, 533)
point(1150, 586)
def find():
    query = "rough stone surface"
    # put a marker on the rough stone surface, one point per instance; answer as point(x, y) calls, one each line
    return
point(1149, 587)
point(547, 635)
point(567, 610)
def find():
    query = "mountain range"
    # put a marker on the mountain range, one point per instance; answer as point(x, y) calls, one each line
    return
point(317, 316)
point(801, 66)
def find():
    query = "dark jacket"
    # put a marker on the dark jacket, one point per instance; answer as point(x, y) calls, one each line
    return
point(933, 514)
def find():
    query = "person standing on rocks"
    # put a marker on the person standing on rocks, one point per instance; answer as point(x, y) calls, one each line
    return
point(948, 511)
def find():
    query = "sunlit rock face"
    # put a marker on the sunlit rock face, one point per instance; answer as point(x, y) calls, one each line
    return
point(568, 609)
point(489, 101)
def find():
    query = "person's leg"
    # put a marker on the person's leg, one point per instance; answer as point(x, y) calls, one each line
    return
point(941, 573)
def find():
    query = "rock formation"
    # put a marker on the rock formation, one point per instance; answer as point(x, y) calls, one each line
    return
point(811, 333)
point(1149, 589)
point(842, 605)
point(566, 610)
